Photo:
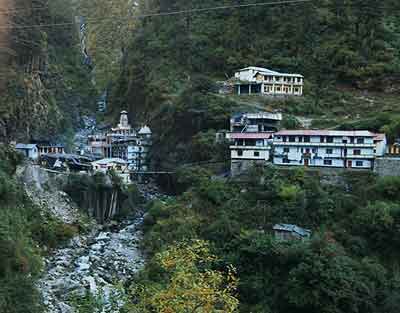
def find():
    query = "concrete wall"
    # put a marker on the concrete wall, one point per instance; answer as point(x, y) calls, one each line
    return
point(240, 166)
point(387, 166)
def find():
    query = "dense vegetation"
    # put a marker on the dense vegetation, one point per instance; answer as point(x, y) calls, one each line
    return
point(172, 63)
point(47, 85)
point(26, 231)
point(349, 265)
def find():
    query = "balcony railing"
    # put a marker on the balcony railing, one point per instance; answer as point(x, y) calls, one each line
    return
point(324, 144)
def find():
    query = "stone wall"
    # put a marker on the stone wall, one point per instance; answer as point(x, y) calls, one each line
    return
point(240, 166)
point(387, 166)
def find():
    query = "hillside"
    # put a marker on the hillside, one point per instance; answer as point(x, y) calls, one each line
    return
point(210, 245)
point(47, 86)
point(347, 50)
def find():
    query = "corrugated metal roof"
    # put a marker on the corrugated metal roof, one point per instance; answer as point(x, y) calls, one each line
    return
point(323, 132)
point(266, 71)
point(110, 160)
point(25, 146)
point(380, 137)
point(293, 228)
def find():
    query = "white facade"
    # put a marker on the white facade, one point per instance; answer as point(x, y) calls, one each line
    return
point(380, 142)
point(322, 148)
point(124, 142)
point(255, 122)
point(118, 165)
point(258, 80)
point(30, 151)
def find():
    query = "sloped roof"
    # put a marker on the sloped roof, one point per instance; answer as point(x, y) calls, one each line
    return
point(293, 229)
point(145, 130)
point(380, 137)
point(266, 71)
point(257, 135)
point(25, 146)
point(324, 132)
point(110, 160)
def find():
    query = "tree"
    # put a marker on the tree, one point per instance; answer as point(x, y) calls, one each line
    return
point(190, 285)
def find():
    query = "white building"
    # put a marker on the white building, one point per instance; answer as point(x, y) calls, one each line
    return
point(250, 146)
point(326, 148)
point(120, 167)
point(251, 139)
point(124, 142)
point(255, 122)
point(258, 80)
point(30, 151)
point(380, 142)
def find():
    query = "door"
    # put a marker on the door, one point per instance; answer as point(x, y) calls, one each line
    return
point(306, 162)
point(349, 164)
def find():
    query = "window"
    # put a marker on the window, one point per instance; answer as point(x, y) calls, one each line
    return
point(329, 139)
point(300, 139)
point(286, 160)
point(292, 139)
point(357, 152)
point(256, 154)
point(360, 140)
point(286, 150)
point(278, 88)
point(284, 138)
point(327, 162)
point(329, 151)
point(307, 150)
point(296, 89)
point(306, 138)
point(314, 150)
point(239, 152)
point(359, 163)
point(344, 141)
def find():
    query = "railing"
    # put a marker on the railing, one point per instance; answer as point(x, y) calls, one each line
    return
point(324, 144)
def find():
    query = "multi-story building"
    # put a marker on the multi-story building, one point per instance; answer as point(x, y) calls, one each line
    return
point(251, 139)
point(50, 148)
point(326, 148)
point(255, 122)
point(258, 80)
point(134, 149)
point(123, 142)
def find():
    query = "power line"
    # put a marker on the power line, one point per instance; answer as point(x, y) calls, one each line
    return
point(161, 14)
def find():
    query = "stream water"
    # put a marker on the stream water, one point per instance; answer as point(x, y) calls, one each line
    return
point(95, 264)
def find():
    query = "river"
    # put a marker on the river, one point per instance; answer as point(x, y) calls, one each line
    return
point(94, 264)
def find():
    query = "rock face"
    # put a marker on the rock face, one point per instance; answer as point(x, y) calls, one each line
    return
point(93, 263)
point(41, 187)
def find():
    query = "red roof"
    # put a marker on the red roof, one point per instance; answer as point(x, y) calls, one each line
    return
point(380, 137)
point(250, 135)
point(325, 132)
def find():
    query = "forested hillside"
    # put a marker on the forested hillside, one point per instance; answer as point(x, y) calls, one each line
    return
point(46, 86)
point(173, 61)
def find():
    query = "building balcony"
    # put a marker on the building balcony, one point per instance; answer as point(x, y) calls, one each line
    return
point(249, 147)
point(323, 144)
point(362, 156)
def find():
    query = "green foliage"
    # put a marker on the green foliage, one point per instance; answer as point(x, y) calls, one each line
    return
point(347, 266)
point(24, 230)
